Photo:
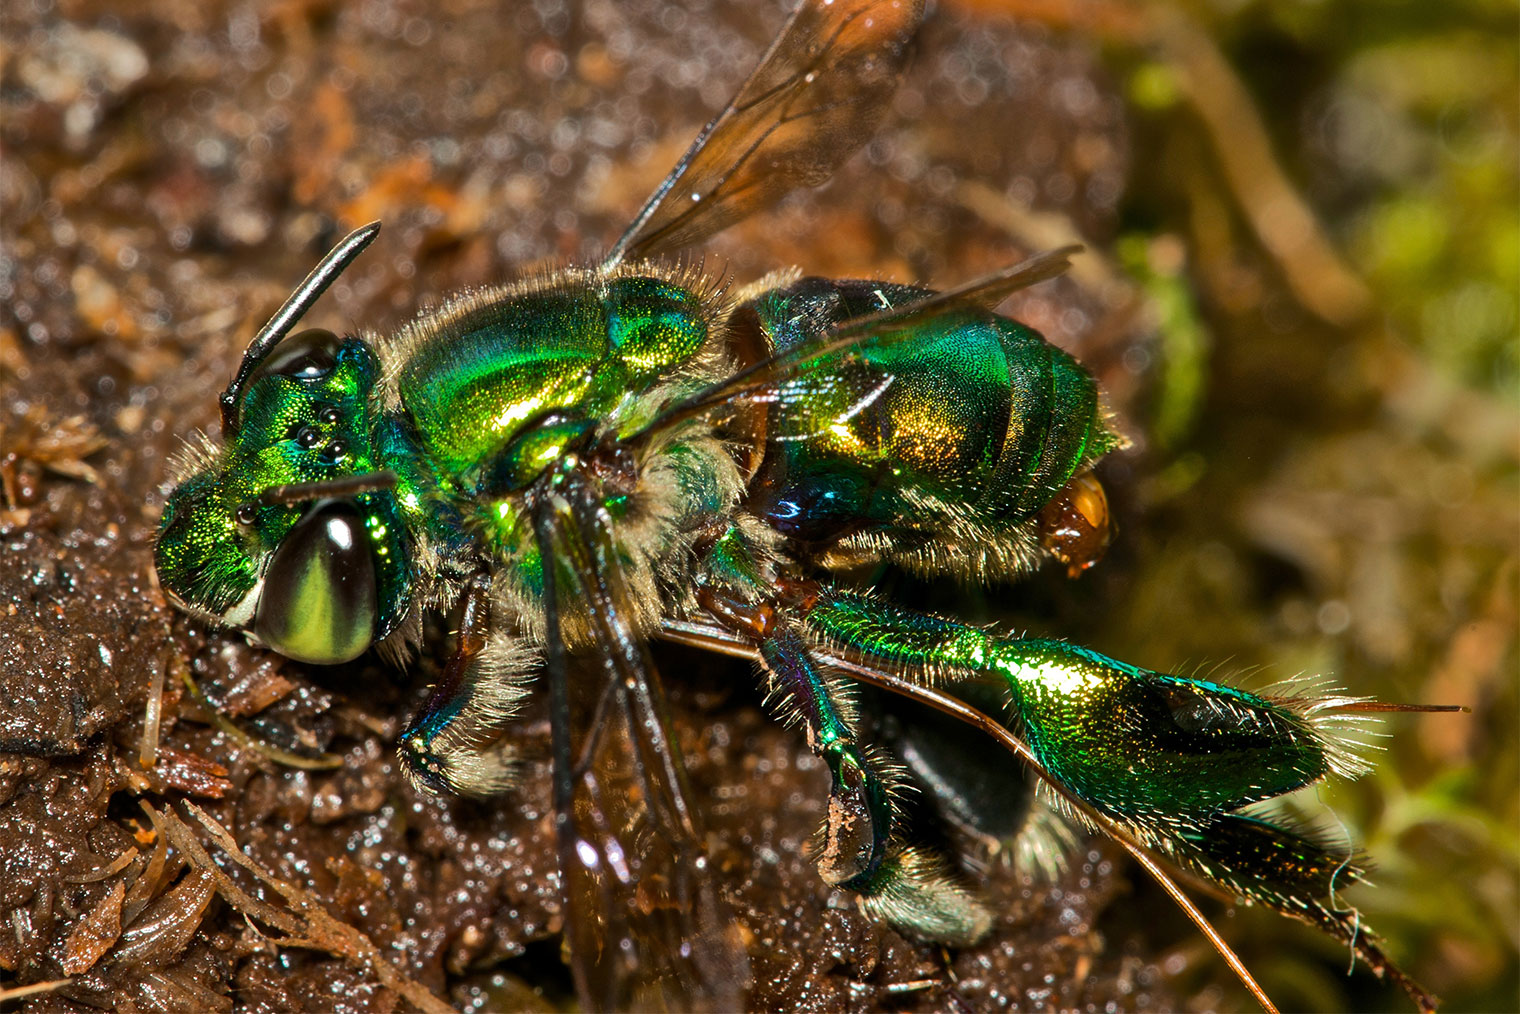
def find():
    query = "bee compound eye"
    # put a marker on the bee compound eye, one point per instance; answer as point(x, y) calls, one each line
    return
point(306, 355)
point(319, 602)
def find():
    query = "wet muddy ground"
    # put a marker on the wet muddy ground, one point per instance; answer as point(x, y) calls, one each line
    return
point(168, 175)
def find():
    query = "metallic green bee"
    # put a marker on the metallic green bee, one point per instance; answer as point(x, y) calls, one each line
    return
point(603, 455)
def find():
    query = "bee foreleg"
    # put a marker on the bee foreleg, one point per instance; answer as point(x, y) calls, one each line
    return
point(453, 745)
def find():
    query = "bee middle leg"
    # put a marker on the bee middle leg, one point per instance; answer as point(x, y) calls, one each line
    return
point(860, 814)
point(863, 846)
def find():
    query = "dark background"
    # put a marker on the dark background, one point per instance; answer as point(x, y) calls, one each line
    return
point(1300, 296)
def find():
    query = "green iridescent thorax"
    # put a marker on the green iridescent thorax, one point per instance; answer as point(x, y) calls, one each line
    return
point(473, 374)
point(290, 431)
point(966, 414)
point(499, 386)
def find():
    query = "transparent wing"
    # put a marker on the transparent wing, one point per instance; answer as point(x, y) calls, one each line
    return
point(645, 925)
point(804, 407)
point(815, 97)
point(805, 400)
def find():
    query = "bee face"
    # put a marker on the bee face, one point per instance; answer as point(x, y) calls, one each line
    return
point(309, 592)
point(317, 578)
point(205, 563)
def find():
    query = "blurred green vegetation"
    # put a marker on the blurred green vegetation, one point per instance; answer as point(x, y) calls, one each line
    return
point(1332, 443)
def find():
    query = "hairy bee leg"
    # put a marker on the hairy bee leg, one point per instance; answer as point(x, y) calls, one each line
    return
point(860, 816)
point(905, 886)
point(449, 745)
point(1172, 761)
point(1207, 748)
point(1295, 872)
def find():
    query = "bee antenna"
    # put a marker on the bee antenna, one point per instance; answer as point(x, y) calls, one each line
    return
point(303, 492)
point(308, 292)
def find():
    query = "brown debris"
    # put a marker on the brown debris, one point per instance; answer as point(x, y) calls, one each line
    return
point(95, 933)
point(306, 922)
point(192, 774)
point(163, 929)
point(36, 442)
point(32, 989)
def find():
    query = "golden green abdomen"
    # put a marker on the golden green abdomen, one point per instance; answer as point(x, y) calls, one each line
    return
point(970, 419)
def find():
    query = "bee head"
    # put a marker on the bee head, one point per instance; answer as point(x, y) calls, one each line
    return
point(292, 531)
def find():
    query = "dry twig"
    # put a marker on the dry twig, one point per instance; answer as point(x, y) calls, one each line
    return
point(305, 922)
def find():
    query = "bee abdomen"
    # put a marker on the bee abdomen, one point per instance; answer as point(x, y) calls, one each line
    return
point(953, 429)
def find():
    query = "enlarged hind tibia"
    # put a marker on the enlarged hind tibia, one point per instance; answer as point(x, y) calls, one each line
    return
point(1157, 752)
